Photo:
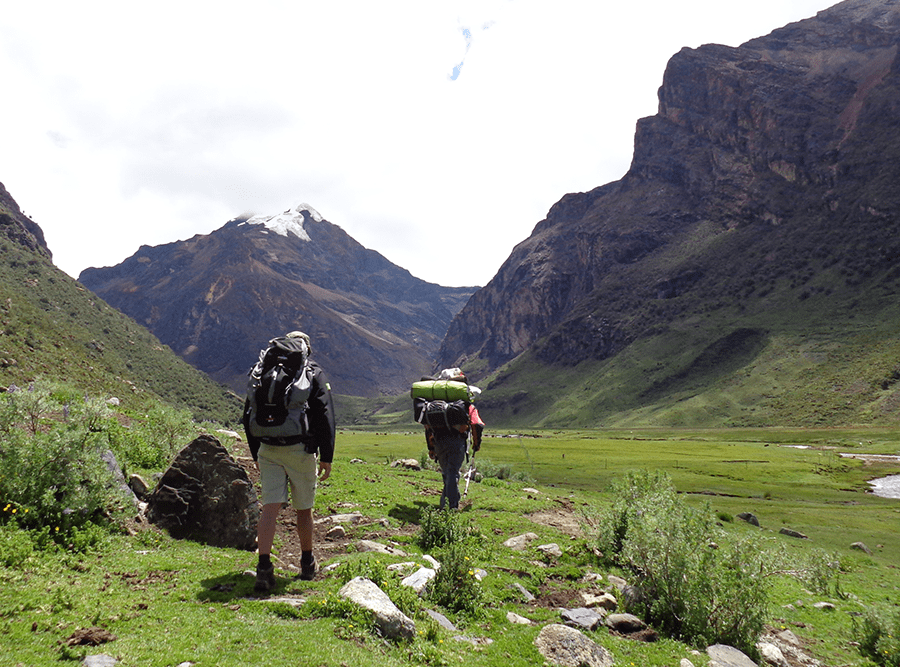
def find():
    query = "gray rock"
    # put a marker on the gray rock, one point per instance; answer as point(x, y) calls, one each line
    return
point(524, 592)
point(685, 663)
point(419, 579)
point(625, 623)
point(125, 491)
point(605, 601)
point(749, 518)
point(392, 622)
point(99, 660)
point(336, 533)
point(377, 547)
point(772, 654)
point(206, 495)
point(727, 656)
point(353, 517)
point(442, 620)
point(793, 533)
point(296, 603)
point(138, 486)
point(565, 646)
point(409, 464)
point(551, 549)
point(619, 583)
point(583, 618)
point(860, 546)
point(520, 542)
point(824, 606)
point(515, 619)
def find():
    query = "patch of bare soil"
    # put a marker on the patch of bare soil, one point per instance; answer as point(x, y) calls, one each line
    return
point(90, 637)
point(563, 519)
point(325, 548)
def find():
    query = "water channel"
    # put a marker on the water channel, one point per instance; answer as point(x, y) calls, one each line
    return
point(883, 487)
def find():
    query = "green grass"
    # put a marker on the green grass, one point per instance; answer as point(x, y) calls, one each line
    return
point(171, 601)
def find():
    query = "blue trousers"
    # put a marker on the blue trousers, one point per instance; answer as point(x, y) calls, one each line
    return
point(450, 450)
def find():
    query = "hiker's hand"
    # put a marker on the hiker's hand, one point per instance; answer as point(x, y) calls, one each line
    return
point(324, 471)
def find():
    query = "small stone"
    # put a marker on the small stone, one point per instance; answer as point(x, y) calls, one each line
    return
point(859, 546)
point(409, 464)
point(625, 623)
point(551, 549)
point(520, 542)
point(336, 533)
point(514, 618)
point(583, 618)
point(793, 533)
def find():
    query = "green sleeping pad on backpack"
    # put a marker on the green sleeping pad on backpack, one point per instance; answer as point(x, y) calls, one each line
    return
point(441, 390)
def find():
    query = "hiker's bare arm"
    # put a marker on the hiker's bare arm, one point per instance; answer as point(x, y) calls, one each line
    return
point(324, 471)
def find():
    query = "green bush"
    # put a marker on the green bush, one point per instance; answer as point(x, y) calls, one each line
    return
point(16, 545)
point(879, 639)
point(441, 527)
point(455, 585)
point(53, 479)
point(689, 587)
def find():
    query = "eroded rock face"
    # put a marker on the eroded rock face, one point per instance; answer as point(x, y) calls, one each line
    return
point(761, 165)
point(206, 495)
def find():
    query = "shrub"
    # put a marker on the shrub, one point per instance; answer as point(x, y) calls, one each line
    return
point(16, 546)
point(455, 585)
point(440, 528)
point(689, 588)
point(879, 639)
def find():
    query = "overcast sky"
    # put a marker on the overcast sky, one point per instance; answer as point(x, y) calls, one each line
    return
point(437, 133)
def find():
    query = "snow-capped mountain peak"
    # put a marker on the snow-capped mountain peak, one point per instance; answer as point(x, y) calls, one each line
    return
point(289, 222)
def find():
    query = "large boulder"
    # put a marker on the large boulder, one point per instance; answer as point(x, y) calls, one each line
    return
point(205, 495)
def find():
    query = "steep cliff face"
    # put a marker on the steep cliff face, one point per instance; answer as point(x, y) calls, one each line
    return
point(216, 299)
point(766, 178)
point(18, 228)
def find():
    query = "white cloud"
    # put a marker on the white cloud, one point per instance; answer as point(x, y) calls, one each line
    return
point(128, 124)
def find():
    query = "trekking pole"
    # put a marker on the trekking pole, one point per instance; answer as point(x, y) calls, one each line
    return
point(470, 474)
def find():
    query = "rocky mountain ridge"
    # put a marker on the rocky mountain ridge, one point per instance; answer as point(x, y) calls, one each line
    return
point(217, 298)
point(761, 198)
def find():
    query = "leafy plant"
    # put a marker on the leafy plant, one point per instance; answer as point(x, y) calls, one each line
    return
point(879, 639)
point(455, 585)
point(689, 587)
point(439, 528)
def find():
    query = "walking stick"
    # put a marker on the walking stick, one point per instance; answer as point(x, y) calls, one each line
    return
point(470, 474)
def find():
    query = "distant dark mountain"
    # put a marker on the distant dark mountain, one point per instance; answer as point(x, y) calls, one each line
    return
point(216, 299)
point(53, 331)
point(746, 269)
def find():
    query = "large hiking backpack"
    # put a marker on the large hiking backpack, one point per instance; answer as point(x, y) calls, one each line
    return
point(442, 404)
point(277, 392)
point(441, 415)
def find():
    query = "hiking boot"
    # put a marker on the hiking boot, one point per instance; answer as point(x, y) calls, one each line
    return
point(308, 569)
point(265, 578)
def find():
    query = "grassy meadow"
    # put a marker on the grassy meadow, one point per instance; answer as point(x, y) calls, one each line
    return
point(167, 602)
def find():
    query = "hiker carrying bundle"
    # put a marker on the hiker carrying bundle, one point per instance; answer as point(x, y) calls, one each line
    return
point(289, 422)
point(445, 407)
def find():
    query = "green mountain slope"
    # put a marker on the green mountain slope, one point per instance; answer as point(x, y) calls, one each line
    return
point(56, 330)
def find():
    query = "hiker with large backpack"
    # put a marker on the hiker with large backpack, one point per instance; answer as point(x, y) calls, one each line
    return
point(289, 422)
point(445, 407)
